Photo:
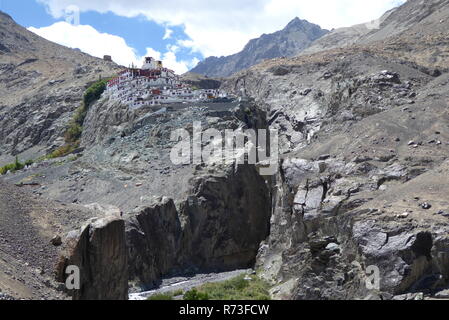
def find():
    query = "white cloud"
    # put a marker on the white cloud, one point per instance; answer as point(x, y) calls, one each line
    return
point(168, 34)
point(170, 60)
point(218, 27)
point(153, 53)
point(97, 44)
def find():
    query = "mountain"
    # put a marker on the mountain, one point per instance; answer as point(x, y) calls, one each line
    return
point(364, 137)
point(359, 194)
point(413, 20)
point(290, 41)
point(41, 84)
point(119, 186)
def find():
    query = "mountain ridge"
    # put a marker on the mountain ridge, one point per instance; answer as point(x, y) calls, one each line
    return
point(290, 41)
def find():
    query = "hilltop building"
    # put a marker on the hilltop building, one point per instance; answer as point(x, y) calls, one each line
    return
point(155, 85)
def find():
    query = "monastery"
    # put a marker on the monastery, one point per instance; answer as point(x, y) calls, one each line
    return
point(155, 85)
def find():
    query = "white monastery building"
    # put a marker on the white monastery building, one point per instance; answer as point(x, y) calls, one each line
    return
point(155, 85)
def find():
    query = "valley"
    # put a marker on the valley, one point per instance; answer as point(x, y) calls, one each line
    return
point(361, 179)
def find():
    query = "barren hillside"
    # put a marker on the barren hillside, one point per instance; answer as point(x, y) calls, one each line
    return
point(41, 84)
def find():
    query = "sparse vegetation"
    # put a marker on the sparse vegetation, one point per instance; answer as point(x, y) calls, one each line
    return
point(15, 166)
point(237, 288)
point(166, 296)
point(178, 293)
point(73, 134)
point(93, 93)
point(161, 296)
point(63, 150)
point(194, 294)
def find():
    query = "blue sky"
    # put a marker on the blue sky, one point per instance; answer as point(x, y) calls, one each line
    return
point(179, 32)
point(138, 32)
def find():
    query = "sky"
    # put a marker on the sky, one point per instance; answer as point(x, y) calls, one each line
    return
point(179, 32)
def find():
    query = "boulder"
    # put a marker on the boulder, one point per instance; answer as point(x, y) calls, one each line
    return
point(99, 251)
point(153, 236)
point(219, 227)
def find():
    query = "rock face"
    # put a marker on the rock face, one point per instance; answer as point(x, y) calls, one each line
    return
point(201, 81)
point(359, 187)
point(290, 41)
point(227, 217)
point(154, 237)
point(99, 251)
point(217, 218)
point(219, 227)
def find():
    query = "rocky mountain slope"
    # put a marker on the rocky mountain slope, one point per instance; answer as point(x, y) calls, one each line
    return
point(412, 20)
point(361, 182)
point(200, 81)
point(362, 179)
point(29, 231)
point(41, 84)
point(290, 41)
point(176, 218)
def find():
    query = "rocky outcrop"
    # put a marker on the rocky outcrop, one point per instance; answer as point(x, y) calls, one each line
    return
point(154, 236)
point(200, 81)
point(99, 251)
point(29, 230)
point(327, 234)
point(227, 217)
point(364, 146)
point(290, 41)
point(207, 218)
point(219, 227)
point(340, 95)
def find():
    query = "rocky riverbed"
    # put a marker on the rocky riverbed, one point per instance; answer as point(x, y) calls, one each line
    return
point(187, 283)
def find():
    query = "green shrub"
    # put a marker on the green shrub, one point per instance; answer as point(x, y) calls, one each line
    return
point(194, 294)
point(94, 92)
point(161, 296)
point(73, 133)
point(5, 169)
point(63, 150)
point(13, 167)
point(18, 165)
point(178, 293)
point(234, 289)
point(75, 129)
